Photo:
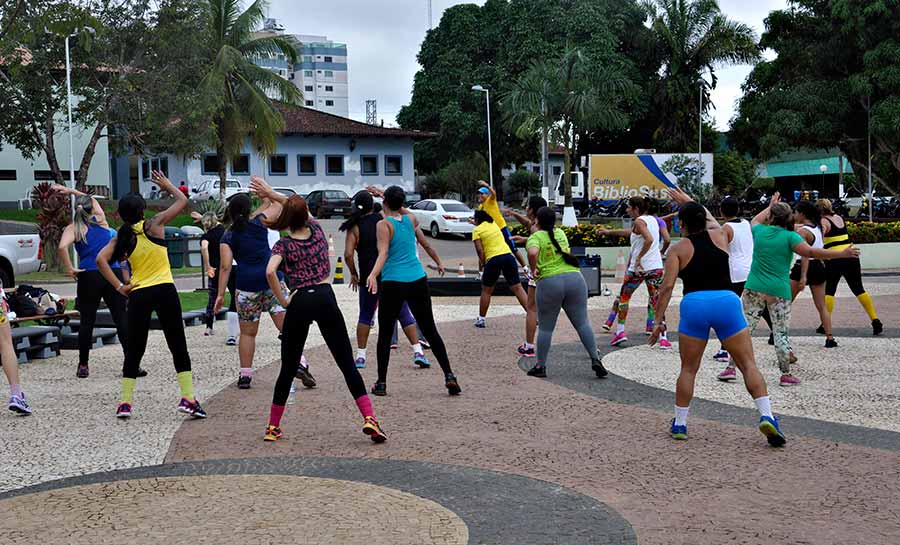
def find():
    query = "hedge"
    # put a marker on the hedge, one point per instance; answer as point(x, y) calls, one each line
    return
point(865, 232)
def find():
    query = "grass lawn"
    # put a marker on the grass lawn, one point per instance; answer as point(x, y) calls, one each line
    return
point(30, 215)
point(53, 276)
point(190, 300)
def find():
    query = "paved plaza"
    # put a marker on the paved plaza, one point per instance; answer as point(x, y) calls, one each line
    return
point(570, 459)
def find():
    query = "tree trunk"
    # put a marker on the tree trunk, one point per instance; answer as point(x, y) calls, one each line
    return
point(87, 157)
point(223, 175)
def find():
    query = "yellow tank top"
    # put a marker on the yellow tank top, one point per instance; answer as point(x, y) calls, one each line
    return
point(149, 261)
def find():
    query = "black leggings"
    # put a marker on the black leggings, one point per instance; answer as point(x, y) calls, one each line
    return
point(92, 287)
point(163, 299)
point(390, 301)
point(308, 305)
point(846, 267)
point(213, 289)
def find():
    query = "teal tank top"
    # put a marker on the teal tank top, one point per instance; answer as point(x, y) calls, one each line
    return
point(402, 265)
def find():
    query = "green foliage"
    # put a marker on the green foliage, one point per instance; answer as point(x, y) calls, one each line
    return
point(689, 173)
point(836, 62)
point(870, 233)
point(52, 219)
point(523, 181)
point(734, 174)
point(459, 177)
point(581, 235)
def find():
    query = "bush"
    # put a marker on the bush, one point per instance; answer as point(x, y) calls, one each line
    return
point(865, 232)
point(582, 235)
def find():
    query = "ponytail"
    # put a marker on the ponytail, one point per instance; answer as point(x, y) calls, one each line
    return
point(237, 215)
point(363, 204)
point(84, 216)
point(131, 210)
point(546, 219)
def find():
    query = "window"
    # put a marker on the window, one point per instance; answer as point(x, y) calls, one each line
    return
point(393, 165)
point(329, 88)
point(536, 170)
point(336, 195)
point(455, 207)
point(329, 59)
point(210, 163)
point(557, 171)
point(369, 165)
point(307, 73)
point(421, 205)
point(241, 165)
point(306, 165)
point(43, 176)
point(430, 207)
point(329, 74)
point(278, 165)
point(310, 103)
point(334, 165)
point(307, 58)
point(329, 103)
point(8, 175)
point(308, 88)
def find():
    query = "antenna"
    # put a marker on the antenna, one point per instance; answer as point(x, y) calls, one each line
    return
point(371, 112)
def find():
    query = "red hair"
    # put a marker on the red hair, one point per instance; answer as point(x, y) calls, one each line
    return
point(294, 216)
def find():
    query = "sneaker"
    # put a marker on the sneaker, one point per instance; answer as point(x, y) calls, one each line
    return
point(273, 433)
point(727, 375)
point(373, 430)
point(618, 339)
point(877, 327)
point(772, 339)
point(664, 344)
point(452, 384)
point(480, 323)
point(231, 341)
point(19, 406)
point(678, 432)
point(599, 370)
point(394, 346)
point(244, 382)
point(821, 329)
point(420, 360)
point(379, 389)
point(191, 408)
point(141, 373)
point(83, 371)
point(538, 371)
point(123, 410)
point(607, 326)
point(649, 328)
point(525, 352)
point(831, 343)
point(360, 363)
point(208, 332)
point(722, 356)
point(305, 376)
point(769, 427)
point(788, 379)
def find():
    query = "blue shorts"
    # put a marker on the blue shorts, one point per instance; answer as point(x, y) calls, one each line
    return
point(500, 264)
point(368, 304)
point(720, 310)
point(509, 241)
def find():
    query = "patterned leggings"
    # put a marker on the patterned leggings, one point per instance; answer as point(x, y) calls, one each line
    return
point(632, 282)
point(780, 311)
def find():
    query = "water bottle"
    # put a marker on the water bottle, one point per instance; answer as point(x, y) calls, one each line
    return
point(292, 397)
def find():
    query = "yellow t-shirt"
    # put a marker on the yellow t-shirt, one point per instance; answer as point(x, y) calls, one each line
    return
point(149, 261)
point(492, 240)
point(491, 207)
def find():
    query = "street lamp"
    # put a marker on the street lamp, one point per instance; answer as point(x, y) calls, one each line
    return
point(487, 98)
point(823, 169)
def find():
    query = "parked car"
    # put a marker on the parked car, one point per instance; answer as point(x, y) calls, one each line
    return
point(19, 254)
point(286, 191)
point(209, 189)
point(412, 198)
point(438, 216)
point(330, 202)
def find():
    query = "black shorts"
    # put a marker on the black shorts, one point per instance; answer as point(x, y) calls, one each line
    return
point(738, 288)
point(815, 274)
point(505, 264)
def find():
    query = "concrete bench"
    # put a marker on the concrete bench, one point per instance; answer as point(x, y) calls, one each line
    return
point(35, 342)
point(101, 337)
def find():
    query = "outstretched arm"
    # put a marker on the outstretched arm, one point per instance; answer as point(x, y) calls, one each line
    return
point(761, 217)
point(683, 198)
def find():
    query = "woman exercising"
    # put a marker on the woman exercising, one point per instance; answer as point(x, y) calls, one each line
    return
point(526, 349)
point(494, 259)
point(811, 272)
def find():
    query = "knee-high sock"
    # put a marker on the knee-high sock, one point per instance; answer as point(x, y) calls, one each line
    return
point(186, 383)
point(866, 301)
point(233, 325)
point(829, 303)
point(127, 389)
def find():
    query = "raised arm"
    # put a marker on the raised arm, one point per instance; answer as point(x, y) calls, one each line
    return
point(764, 214)
point(96, 209)
point(683, 198)
point(482, 183)
point(159, 221)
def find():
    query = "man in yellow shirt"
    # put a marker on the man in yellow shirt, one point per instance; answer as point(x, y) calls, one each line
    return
point(494, 258)
point(487, 198)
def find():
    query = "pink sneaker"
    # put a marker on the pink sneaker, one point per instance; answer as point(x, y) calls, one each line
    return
point(789, 380)
point(664, 344)
point(727, 375)
point(618, 339)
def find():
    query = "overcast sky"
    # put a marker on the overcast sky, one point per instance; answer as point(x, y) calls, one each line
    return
point(384, 36)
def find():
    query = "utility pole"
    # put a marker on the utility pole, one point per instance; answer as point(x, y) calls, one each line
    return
point(430, 18)
point(545, 152)
point(371, 112)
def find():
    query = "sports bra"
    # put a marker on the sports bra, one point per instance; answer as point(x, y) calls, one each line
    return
point(708, 269)
point(837, 238)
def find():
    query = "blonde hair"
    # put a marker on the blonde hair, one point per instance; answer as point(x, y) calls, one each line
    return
point(780, 215)
point(84, 216)
point(825, 206)
point(209, 220)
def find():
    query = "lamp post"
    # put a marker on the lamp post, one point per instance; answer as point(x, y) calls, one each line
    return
point(823, 169)
point(487, 98)
point(869, 150)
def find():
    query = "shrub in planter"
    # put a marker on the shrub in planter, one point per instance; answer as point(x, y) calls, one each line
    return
point(865, 232)
point(582, 235)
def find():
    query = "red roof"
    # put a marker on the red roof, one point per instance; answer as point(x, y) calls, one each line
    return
point(301, 120)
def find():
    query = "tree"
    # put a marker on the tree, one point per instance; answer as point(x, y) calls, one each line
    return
point(733, 173)
point(524, 182)
point(837, 65)
point(238, 88)
point(460, 177)
point(563, 96)
point(692, 37)
point(10, 10)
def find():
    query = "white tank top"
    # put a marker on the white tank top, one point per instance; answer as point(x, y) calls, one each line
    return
point(740, 250)
point(652, 260)
point(819, 241)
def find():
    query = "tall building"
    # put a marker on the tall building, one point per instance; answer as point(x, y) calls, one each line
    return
point(320, 73)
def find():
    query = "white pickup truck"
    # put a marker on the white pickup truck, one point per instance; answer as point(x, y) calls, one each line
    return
point(19, 254)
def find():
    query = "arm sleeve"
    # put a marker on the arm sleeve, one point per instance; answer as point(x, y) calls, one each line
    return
point(795, 239)
point(476, 234)
point(278, 248)
point(226, 238)
point(532, 242)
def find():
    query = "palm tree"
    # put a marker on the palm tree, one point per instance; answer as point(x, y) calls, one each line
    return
point(566, 96)
point(239, 89)
point(692, 36)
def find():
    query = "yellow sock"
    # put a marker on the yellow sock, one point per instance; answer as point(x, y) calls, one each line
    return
point(186, 383)
point(128, 389)
point(866, 301)
point(829, 303)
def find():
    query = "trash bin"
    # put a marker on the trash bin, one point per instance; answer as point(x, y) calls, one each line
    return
point(175, 245)
point(193, 234)
point(590, 269)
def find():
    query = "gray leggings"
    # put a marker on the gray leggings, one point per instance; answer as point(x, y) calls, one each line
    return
point(567, 292)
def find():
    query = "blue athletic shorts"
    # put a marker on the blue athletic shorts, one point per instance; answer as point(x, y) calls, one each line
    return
point(720, 310)
point(509, 241)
